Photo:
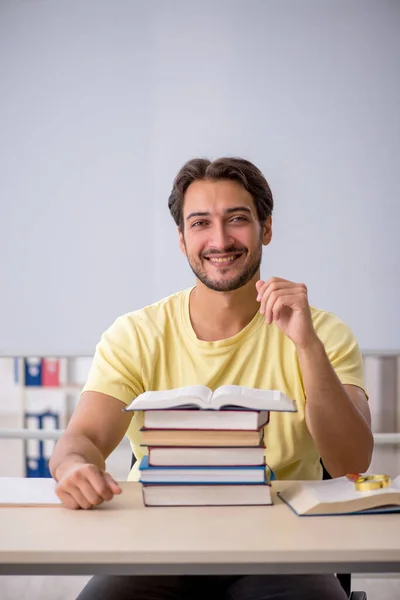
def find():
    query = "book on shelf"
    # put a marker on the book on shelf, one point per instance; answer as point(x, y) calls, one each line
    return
point(31, 491)
point(205, 419)
point(339, 497)
point(200, 437)
point(210, 475)
point(226, 397)
point(206, 495)
point(204, 456)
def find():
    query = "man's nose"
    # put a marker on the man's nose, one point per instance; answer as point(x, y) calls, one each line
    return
point(221, 237)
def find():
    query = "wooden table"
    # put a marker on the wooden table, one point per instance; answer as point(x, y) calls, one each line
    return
point(124, 537)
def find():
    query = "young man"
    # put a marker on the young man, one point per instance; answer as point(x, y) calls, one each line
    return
point(230, 328)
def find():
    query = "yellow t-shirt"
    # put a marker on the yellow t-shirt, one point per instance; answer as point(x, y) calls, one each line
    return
point(156, 348)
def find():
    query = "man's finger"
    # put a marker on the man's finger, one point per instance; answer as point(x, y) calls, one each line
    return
point(282, 301)
point(101, 484)
point(272, 299)
point(290, 300)
point(79, 497)
point(272, 280)
point(266, 292)
point(259, 284)
point(67, 499)
point(272, 287)
point(90, 493)
point(115, 488)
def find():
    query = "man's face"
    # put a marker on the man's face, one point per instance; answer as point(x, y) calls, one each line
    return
point(222, 237)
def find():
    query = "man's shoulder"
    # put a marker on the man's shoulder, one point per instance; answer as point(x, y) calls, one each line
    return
point(324, 317)
point(330, 327)
point(157, 312)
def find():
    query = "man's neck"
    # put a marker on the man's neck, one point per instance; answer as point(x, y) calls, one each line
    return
point(220, 315)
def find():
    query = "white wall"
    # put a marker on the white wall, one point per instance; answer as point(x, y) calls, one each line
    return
point(103, 101)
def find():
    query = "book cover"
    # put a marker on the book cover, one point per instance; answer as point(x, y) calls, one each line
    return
point(204, 456)
point(207, 495)
point(50, 372)
point(205, 475)
point(205, 419)
point(201, 437)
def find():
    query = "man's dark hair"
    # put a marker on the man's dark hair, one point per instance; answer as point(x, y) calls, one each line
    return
point(235, 169)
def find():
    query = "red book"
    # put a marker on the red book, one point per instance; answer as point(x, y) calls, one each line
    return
point(50, 372)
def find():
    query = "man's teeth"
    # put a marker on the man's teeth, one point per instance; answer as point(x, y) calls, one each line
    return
point(221, 260)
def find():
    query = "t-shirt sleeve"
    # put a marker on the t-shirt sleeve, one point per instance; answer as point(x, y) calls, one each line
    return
point(116, 368)
point(342, 350)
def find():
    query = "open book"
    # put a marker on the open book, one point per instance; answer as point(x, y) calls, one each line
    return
point(226, 397)
point(339, 497)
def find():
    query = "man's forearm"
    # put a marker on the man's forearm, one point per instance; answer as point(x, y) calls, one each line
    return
point(341, 433)
point(74, 448)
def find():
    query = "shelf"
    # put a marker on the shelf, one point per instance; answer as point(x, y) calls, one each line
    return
point(55, 388)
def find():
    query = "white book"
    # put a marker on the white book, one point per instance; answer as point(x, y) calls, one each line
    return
point(206, 457)
point(206, 495)
point(339, 496)
point(205, 419)
point(226, 397)
point(30, 491)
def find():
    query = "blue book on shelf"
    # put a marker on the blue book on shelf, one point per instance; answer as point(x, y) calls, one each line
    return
point(33, 371)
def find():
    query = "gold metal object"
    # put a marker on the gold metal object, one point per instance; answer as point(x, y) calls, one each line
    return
point(367, 483)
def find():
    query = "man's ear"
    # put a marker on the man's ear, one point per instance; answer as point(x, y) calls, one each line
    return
point(267, 232)
point(181, 242)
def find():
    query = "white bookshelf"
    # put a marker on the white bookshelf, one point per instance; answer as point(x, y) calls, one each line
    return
point(58, 399)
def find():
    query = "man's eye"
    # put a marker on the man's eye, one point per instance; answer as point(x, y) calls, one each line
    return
point(239, 218)
point(199, 223)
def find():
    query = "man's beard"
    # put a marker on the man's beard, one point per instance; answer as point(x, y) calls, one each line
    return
point(235, 282)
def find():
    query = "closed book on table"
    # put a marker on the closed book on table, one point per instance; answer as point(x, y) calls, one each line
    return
point(206, 495)
point(184, 437)
point(205, 419)
point(205, 456)
point(210, 475)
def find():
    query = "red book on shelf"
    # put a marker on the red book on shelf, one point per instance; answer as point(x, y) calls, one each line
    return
point(50, 372)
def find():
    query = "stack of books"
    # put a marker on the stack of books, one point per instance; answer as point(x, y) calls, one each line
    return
point(204, 447)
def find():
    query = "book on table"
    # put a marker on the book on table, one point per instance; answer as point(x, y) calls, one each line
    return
point(198, 407)
point(210, 475)
point(206, 456)
point(200, 437)
point(206, 495)
point(339, 497)
point(32, 491)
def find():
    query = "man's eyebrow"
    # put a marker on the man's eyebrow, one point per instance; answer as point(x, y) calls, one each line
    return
point(228, 211)
point(238, 209)
point(197, 214)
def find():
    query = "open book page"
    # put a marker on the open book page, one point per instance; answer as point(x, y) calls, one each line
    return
point(191, 396)
point(20, 491)
point(228, 396)
point(334, 496)
point(340, 489)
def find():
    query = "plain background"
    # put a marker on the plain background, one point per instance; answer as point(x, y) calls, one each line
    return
point(102, 102)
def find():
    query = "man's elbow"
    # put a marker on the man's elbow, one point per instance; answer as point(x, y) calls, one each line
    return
point(355, 462)
point(360, 460)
